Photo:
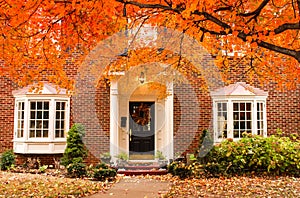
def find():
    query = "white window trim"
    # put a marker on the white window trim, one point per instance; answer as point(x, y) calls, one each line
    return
point(47, 145)
point(230, 100)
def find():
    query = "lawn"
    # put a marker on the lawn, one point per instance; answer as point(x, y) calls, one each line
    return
point(39, 185)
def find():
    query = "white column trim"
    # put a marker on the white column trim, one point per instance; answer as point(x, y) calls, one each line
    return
point(169, 109)
point(114, 112)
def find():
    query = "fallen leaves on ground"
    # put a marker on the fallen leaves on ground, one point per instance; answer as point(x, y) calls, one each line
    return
point(236, 187)
point(38, 185)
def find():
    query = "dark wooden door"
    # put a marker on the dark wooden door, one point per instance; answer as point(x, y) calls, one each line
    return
point(141, 129)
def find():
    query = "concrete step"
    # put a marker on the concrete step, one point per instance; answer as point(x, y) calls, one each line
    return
point(142, 172)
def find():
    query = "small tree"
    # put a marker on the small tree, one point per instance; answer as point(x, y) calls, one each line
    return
point(75, 151)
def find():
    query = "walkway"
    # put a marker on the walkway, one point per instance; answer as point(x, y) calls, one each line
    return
point(135, 187)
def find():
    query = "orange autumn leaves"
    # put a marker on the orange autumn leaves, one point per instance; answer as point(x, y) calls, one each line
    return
point(37, 37)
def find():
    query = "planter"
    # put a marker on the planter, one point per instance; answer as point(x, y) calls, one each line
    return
point(105, 160)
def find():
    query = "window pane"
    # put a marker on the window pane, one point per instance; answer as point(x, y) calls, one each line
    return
point(248, 125)
point(57, 124)
point(236, 116)
point(222, 120)
point(38, 124)
point(32, 115)
point(62, 116)
point(46, 105)
point(248, 116)
point(224, 106)
point(235, 107)
point(38, 133)
point(60, 119)
point(45, 133)
point(63, 106)
point(32, 123)
point(236, 134)
point(260, 118)
point(242, 107)
point(46, 124)
point(32, 105)
point(242, 118)
point(20, 119)
point(39, 105)
point(46, 114)
point(58, 105)
point(57, 133)
point(248, 106)
point(32, 133)
point(39, 119)
point(39, 114)
point(57, 115)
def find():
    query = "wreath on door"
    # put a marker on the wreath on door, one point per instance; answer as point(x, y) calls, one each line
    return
point(141, 115)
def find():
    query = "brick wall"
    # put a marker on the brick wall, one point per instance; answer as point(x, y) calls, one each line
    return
point(192, 111)
point(283, 110)
point(6, 114)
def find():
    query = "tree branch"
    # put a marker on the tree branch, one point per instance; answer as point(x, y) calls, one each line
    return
point(293, 53)
point(228, 29)
point(287, 26)
point(152, 6)
point(257, 11)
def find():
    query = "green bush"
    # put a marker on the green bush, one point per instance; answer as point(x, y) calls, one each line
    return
point(179, 169)
point(182, 170)
point(101, 172)
point(75, 152)
point(275, 155)
point(7, 160)
point(77, 169)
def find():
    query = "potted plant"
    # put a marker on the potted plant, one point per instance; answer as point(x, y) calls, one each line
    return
point(161, 158)
point(122, 159)
point(105, 157)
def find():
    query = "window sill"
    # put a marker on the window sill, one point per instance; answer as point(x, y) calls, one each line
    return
point(39, 147)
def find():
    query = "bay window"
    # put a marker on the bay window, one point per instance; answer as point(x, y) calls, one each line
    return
point(41, 120)
point(238, 109)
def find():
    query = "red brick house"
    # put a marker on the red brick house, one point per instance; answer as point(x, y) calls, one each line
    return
point(130, 116)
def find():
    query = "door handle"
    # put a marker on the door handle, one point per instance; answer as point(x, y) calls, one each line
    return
point(130, 134)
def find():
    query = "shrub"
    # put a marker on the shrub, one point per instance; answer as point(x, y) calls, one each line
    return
point(7, 160)
point(179, 169)
point(182, 170)
point(75, 152)
point(102, 172)
point(275, 155)
point(76, 169)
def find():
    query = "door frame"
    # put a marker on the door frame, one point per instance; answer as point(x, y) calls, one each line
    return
point(118, 134)
point(152, 124)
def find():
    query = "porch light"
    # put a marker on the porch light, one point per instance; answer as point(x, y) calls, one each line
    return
point(142, 77)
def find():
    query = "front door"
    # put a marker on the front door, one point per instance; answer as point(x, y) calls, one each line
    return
point(141, 130)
